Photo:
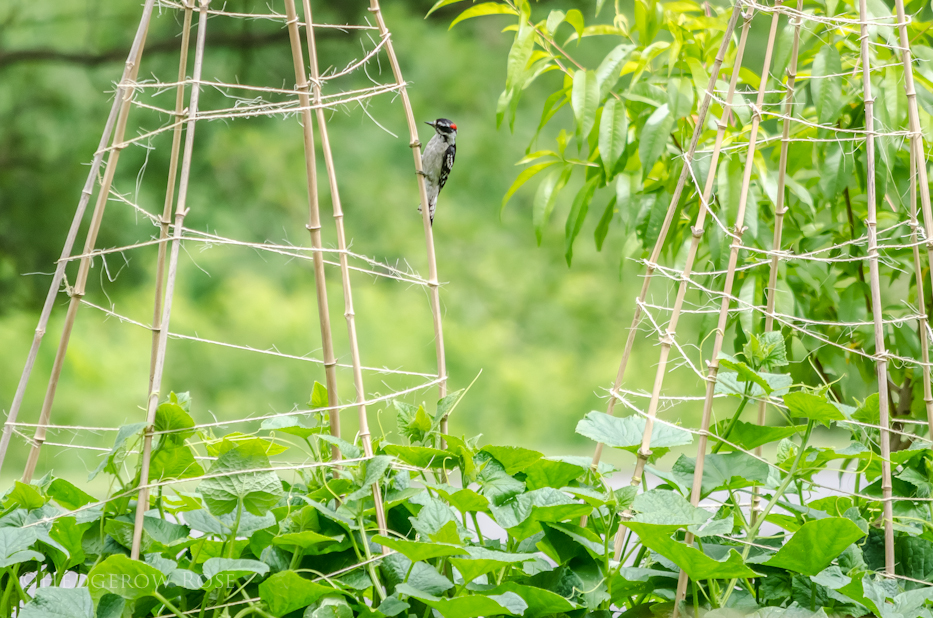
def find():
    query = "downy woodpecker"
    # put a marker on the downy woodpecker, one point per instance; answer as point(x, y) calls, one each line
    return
point(438, 159)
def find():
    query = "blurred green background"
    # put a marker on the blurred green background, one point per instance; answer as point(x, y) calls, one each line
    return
point(547, 338)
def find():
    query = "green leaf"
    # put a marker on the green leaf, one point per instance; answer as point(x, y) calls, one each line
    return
point(581, 205)
point(751, 435)
point(723, 471)
point(812, 407)
point(171, 417)
point(744, 373)
point(130, 579)
point(584, 99)
point(422, 576)
point(513, 458)
point(602, 228)
point(626, 433)
point(329, 607)
point(729, 188)
point(609, 70)
point(521, 515)
point(680, 97)
point(508, 603)
point(202, 521)
point(526, 175)
point(554, 19)
point(288, 424)
point(662, 506)
point(50, 602)
point(14, 546)
point(540, 602)
point(241, 478)
point(464, 500)
point(118, 452)
point(305, 539)
point(422, 456)
point(613, 135)
point(374, 469)
point(546, 198)
point(287, 591)
point(445, 406)
point(482, 560)
point(350, 451)
point(575, 19)
point(68, 495)
point(232, 570)
point(174, 463)
point(417, 551)
point(826, 91)
point(654, 136)
point(441, 3)
point(551, 473)
point(480, 10)
point(519, 54)
point(696, 564)
point(816, 545)
point(24, 496)
point(496, 485)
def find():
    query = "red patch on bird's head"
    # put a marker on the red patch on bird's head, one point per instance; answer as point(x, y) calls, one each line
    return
point(453, 126)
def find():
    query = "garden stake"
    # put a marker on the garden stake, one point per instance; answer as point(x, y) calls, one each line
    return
point(165, 221)
point(344, 262)
point(181, 210)
point(727, 290)
point(918, 155)
point(125, 97)
point(668, 218)
point(881, 355)
point(130, 70)
point(779, 211)
point(415, 144)
point(667, 339)
point(314, 225)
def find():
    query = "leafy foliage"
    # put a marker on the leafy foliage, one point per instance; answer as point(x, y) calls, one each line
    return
point(249, 540)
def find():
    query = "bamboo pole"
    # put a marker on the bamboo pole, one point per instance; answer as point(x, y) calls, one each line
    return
point(415, 145)
point(918, 155)
point(739, 230)
point(881, 360)
point(125, 96)
point(921, 296)
point(130, 71)
point(165, 221)
point(181, 210)
point(349, 313)
point(667, 339)
point(779, 211)
point(669, 216)
point(314, 224)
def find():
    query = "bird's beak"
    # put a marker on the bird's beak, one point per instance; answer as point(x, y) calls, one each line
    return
point(430, 124)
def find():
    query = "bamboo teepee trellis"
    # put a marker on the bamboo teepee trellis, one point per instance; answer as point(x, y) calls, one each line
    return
point(790, 102)
point(307, 100)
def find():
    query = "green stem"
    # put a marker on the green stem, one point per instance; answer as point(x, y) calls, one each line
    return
point(168, 604)
point(296, 558)
point(753, 531)
point(236, 526)
point(475, 519)
point(370, 566)
point(735, 419)
point(8, 590)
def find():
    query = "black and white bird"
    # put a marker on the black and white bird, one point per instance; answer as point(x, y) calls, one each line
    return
point(438, 159)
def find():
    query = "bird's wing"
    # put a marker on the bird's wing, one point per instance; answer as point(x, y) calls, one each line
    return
point(447, 165)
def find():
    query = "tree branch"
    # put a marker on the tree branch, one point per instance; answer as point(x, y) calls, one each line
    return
point(237, 41)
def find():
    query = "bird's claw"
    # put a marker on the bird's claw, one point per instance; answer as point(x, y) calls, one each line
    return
point(421, 173)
